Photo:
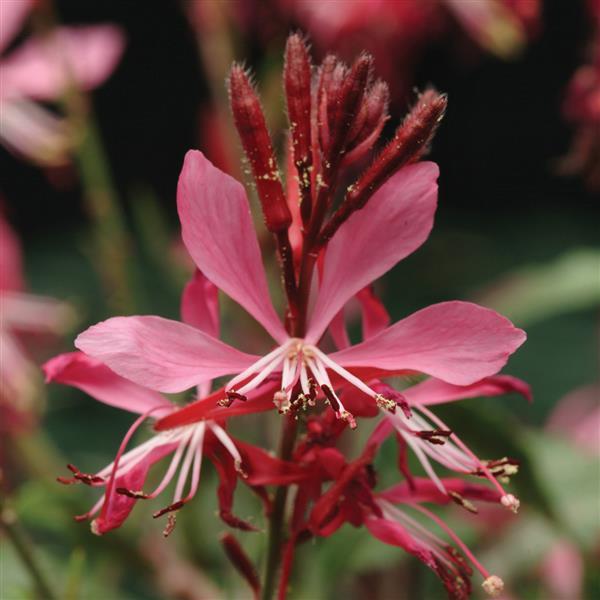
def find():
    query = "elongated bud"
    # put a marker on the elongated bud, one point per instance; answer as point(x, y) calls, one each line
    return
point(411, 140)
point(241, 562)
point(252, 129)
point(297, 80)
point(347, 103)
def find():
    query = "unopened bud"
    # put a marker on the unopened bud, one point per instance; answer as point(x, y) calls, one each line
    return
point(252, 129)
point(239, 559)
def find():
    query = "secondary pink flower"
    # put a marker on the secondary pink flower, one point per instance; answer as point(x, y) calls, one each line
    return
point(123, 479)
point(42, 68)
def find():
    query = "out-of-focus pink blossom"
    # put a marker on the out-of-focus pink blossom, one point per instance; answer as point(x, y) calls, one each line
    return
point(42, 68)
point(21, 314)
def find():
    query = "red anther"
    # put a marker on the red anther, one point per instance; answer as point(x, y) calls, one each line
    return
point(252, 128)
point(389, 392)
point(411, 140)
point(231, 395)
point(434, 436)
point(171, 508)
point(239, 559)
point(86, 478)
point(297, 80)
point(331, 397)
point(136, 495)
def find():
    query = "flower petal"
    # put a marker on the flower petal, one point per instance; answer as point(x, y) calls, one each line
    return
point(458, 342)
point(12, 15)
point(43, 67)
point(200, 304)
point(161, 354)
point(11, 270)
point(435, 391)
point(118, 506)
point(218, 232)
point(394, 223)
point(425, 490)
point(97, 380)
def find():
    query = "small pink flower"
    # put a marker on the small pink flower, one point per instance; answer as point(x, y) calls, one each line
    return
point(123, 479)
point(41, 69)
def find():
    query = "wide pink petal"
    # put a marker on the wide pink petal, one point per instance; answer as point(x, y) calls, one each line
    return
point(97, 380)
point(12, 15)
point(44, 66)
point(200, 304)
point(11, 270)
point(394, 223)
point(458, 342)
point(435, 391)
point(161, 354)
point(218, 232)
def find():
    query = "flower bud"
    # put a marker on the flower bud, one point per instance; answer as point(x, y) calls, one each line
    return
point(252, 128)
point(239, 559)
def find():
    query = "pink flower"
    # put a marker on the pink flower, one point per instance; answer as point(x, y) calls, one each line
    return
point(42, 68)
point(21, 314)
point(123, 479)
point(458, 342)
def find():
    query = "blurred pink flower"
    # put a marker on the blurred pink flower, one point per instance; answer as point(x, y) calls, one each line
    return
point(21, 314)
point(582, 109)
point(41, 69)
point(397, 33)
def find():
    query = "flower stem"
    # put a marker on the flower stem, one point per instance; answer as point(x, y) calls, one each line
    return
point(277, 517)
point(10, 526)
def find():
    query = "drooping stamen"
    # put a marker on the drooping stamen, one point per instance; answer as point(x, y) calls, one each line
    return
point(228, 444)
point(507, 500)
point(450, 532)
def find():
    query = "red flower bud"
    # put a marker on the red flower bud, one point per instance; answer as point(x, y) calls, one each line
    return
point(239, 559)
point(252, 128)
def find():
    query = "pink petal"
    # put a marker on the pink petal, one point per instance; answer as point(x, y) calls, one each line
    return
point(435, 391)
point(11, 271)
point(218, 232)
point(12, 15)
point(562, 570)
point(375, 317)
point(43, 67)
point(161, 354)
point(458, 342)
point(118, 506)
point(394, 223)
point(200, 305)
point(97, 380)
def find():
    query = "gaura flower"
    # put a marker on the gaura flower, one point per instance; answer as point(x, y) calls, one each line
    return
point(457, 342)
point(123, 479)
point(42, 69)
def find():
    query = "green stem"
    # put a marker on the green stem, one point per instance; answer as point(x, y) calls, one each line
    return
point(277, 518)
point(24, 548)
